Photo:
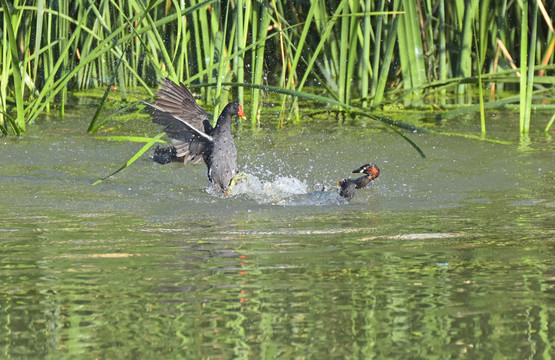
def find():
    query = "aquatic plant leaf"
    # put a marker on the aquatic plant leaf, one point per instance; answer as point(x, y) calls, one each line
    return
point(137, 155)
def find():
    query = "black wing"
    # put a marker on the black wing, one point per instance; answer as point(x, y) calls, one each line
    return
point(176, 109)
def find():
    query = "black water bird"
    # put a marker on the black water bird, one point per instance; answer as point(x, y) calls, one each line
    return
point(193, 137)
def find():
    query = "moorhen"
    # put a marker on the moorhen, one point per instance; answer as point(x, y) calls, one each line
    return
point(349, 186)
point(166, 155)
point(192, 135)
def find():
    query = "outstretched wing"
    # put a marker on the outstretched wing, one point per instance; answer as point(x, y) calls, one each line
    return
point(183, 120)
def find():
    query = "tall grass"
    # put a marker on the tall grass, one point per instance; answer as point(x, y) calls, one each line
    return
point(363, 54)
point(527, 55)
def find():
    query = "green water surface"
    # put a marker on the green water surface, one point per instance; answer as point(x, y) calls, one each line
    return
point(451, 256)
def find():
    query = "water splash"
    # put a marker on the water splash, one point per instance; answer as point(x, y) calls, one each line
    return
point(283, 190)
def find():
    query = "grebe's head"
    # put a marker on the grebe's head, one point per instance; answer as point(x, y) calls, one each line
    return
point(369, 169)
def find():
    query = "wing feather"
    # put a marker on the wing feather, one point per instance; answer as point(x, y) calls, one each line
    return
point(183, 119)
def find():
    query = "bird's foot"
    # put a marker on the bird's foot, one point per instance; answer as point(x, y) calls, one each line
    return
point(237, 179)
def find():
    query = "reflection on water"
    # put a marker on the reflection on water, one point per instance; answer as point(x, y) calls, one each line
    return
point(446, 257)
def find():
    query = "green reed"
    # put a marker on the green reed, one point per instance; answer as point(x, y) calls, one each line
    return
point(527, 56)
point(411, 47)
point(364, 54)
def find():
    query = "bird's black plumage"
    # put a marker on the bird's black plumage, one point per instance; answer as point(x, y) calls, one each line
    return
point(195, 140)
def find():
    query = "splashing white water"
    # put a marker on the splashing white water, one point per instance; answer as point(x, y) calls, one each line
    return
point(282, 191)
